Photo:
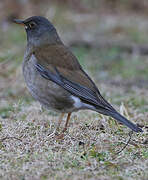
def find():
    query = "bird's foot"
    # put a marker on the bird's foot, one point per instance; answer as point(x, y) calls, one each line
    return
point(56, 135)
point(60, 136)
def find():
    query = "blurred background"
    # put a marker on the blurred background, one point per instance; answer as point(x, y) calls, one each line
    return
point(109, 37)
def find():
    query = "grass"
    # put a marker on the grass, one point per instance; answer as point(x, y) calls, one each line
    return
point(85, 149)
point(89, 148)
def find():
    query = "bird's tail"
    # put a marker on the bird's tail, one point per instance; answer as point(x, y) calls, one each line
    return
point(124, 121)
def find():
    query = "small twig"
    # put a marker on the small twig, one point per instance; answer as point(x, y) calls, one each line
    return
point(130, 136)
point(115, 155)
point(9, 137)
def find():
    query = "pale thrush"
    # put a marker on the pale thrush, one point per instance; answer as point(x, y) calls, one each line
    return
point(55, 78)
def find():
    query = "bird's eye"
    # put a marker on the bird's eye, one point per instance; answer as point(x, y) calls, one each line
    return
point(32, 25)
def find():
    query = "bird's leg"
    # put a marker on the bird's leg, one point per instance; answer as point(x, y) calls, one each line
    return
point(67, 121)
point(61, 136)
point(59, 121)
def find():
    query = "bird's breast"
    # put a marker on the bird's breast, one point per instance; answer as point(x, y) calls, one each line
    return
point(47, 92)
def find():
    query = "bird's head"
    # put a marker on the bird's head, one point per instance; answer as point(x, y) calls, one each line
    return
point(39, 31)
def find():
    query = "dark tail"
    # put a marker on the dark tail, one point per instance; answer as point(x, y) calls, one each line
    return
point(124, 121)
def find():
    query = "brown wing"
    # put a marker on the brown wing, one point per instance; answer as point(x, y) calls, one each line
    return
point(59, 58)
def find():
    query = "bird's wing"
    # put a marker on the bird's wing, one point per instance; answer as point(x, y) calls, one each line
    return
point(59, 65)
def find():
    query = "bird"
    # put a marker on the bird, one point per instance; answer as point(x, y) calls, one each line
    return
point(56, 79)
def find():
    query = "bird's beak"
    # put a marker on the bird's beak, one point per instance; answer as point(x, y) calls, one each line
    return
point(18, 21)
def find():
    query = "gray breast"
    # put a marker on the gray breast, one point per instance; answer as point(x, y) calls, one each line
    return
point(46, 92)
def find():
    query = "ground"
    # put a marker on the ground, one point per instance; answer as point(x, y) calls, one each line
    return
point(90, 147)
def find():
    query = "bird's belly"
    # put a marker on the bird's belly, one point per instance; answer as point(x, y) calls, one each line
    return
point(49, 94)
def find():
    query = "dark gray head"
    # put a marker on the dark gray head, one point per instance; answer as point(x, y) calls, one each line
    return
point(39, 31)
